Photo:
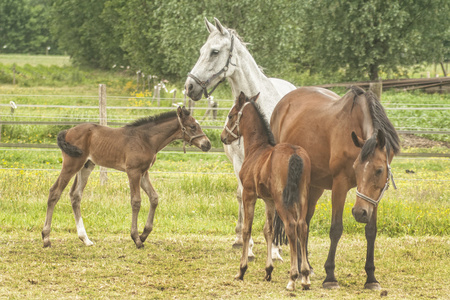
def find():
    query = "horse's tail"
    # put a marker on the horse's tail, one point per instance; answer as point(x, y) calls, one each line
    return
point(291, 195)
point(67, 148)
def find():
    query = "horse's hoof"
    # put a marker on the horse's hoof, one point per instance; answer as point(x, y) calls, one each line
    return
point(290, 286)
point(306, 286)
point(238, 277)
point(268, 277)
point(330, 285)
point(374, 286)
point(139, 246)
point(251, 258)
point(237, 245)
point(47, 244)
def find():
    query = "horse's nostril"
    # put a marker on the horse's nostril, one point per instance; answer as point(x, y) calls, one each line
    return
point(364, 213)
point(190, 87)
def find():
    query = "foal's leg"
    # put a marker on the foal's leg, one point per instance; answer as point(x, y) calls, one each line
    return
point(268, 235)
point(134, 177)
point(249, 200)
point(153, 196)
point(76, 193)
point(68, 170)
point(302, 232)
point(291, 232)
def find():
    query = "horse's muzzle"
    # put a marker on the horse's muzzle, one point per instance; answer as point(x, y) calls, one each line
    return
point(193, 90)
point(361, 215)
point(206, 146)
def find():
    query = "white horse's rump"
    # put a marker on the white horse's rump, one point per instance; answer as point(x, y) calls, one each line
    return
point(224, 55)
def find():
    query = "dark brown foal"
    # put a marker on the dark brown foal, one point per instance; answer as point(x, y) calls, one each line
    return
point(277, 173)
point(131, 149)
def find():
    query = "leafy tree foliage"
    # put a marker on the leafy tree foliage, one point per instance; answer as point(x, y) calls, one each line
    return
point(24, 27)
point(359, 39)
point(364, 37)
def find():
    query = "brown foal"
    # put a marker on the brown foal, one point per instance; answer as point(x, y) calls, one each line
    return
point(131, 149)
point(277, 173)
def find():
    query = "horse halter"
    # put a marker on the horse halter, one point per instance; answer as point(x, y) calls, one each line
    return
point(236, 124)
point(386, 186)
point(204, 84)
point(184, 131)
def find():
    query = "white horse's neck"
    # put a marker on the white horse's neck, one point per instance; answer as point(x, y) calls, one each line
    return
point(248, 78)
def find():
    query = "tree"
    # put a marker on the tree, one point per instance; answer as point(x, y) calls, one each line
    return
point(364, 37)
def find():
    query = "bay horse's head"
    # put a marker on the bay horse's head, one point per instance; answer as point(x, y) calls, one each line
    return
point(231, 131)
point(373, 172)
point(214, 63)
point(191, 131)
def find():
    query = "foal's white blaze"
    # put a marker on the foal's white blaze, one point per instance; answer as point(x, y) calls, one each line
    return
point(82, 232)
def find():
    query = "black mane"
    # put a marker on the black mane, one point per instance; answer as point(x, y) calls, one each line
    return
point(380, 122)
point(157, 118)
point(265, 123)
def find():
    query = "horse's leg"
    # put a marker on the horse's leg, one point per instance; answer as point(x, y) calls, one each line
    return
point(290, 226)
point(339, 192)
point(53, 197)
point(249, 201)
point(313, 196)
point(153, 197)
point(134, 177)
point(371, 234)
point(268, 235)
point(76, 192)
point(302, 232)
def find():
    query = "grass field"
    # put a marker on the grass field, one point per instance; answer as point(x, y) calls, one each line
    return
point(189, 254)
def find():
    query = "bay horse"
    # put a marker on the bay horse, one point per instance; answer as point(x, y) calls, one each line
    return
point(225, 56)
point(131, 149)
point(351, 143)
point(277, 173)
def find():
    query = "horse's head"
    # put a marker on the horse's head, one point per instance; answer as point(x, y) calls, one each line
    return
point(373, 172)
point(231, 131)
point(214, 63)
point(191, 131)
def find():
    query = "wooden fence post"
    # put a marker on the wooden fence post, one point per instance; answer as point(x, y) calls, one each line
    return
point(102, 121)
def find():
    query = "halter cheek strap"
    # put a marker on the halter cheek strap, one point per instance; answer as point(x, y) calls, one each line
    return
point(191, 137)
point(236, 124)
point(386, 186)
point(204, 84)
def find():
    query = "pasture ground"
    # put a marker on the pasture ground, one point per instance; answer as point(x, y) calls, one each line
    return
point(179, 266)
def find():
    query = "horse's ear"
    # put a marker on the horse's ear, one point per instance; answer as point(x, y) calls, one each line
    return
point(359, 142)
point(219, 26)
point(209, 26)
point(254, 98)
point(241, 99)
point(381, 139)
point(180, 111)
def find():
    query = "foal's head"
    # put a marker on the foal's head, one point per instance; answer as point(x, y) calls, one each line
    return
point(231, 131)
point(191, 131)
point(372, 172)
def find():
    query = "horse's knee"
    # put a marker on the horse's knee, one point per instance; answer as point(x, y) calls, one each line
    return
point(154, 200)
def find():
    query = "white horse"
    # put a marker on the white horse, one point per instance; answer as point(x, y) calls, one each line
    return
point(224, 55)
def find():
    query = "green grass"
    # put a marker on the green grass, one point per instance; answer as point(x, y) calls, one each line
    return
point(35, 60)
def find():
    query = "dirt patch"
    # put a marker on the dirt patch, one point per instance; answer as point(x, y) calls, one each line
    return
point(411, 141)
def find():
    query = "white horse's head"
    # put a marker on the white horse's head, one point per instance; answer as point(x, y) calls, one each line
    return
point(216, 61)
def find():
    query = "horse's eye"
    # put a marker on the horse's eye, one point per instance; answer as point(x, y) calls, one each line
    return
point(378, 172)
point(193, 126)
point(214, 52)
point(230, 117)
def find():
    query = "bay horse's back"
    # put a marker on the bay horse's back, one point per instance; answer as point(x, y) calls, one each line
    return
point(309, 103)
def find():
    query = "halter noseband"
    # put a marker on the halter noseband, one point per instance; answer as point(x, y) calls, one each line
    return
point(386, 186)
point(204, 84)
point(236, 124)
point(184, 131)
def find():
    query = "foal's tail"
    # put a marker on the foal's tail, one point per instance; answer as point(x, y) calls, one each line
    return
point(67, 148)
point(291, 195)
